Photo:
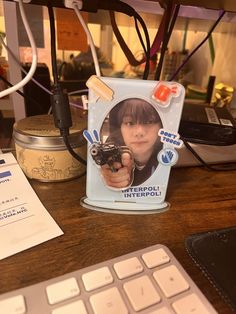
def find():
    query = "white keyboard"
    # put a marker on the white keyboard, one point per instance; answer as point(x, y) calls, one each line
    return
point(150, 281)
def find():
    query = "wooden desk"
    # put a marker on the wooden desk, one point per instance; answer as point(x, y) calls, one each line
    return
point(200, 201)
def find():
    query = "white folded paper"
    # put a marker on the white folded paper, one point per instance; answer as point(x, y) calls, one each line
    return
point(24, 221)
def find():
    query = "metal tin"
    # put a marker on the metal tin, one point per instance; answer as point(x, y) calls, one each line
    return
point(41, 152)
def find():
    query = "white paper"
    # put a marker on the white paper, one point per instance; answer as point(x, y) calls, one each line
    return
point(24, 221)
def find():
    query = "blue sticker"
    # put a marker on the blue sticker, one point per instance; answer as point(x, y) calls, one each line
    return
point(96, 135)
point(5, 174)
point(2, 161)
point(91, 137)
point(88, 136)
point(168, 157)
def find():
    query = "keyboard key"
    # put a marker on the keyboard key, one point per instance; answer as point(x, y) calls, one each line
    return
point(162, 310)
point(62, 290)
point(141, 293)
point(97, 278)
point(190, 304)
point(155, 258)
point(149, 281)
point(71, 308)
point(108, 302)
point(170, 281)
point(128, 267)
point(13, 305)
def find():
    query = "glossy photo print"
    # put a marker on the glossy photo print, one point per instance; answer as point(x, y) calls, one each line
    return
point(130, 132)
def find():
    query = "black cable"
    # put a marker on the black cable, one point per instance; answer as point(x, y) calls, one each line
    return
point(125, 8)
point(139, 35)
point(207, 166)
point(53, 45)
point(199, 46)
point(60, 101)
point(148, 45)
point(146, 49)
point(188, 146)
point(71, 151)
point(164, 41)
point(169, 26)
point(119, 6)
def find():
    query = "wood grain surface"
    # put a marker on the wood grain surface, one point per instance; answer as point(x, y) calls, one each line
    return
point(200, 200)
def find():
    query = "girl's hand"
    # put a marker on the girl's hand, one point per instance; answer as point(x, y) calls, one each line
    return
point(121, 175)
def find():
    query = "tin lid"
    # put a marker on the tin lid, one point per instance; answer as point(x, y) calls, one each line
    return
point(39, 132)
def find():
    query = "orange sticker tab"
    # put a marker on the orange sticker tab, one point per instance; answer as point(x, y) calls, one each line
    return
point(163, 93)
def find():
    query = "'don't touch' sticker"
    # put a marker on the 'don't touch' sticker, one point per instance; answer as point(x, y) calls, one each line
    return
point(170, 137)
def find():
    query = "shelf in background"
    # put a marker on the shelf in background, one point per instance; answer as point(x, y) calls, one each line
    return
point(199, 18)
point(227, 5)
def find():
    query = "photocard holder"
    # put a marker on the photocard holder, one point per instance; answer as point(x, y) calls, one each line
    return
point(132, 143)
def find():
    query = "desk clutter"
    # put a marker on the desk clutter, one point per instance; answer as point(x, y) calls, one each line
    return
point(126, 146)
point(150, 280)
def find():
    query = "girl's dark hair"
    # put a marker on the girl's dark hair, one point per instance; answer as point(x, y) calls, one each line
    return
point(140, 111)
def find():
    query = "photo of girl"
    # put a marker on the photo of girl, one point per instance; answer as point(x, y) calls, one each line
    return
point(133, 123)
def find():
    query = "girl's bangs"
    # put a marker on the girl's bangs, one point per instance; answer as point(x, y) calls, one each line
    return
point(140, 111)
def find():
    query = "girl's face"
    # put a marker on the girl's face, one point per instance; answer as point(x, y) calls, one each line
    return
point(140, 137)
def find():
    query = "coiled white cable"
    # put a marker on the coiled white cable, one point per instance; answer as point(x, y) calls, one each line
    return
point(21, 67)
point(30, 74)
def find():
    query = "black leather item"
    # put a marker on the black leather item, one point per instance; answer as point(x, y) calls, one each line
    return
point(215, 253)
point(33, 91)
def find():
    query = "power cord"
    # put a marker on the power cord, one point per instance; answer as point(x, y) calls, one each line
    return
point(22, 69)
point(206, 165)
point(60, 101)
point(34, 56)
point(35, 81)
point(147, 49)
point(89, 37)
point(201, 43)
point(169, 26)
point(186, 143)
point(128, 53)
